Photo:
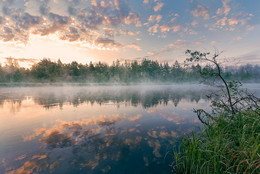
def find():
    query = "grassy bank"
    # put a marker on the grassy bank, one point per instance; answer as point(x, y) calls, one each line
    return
point(230, 145)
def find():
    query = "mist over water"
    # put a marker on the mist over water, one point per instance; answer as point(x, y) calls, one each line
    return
point(109, 129)
point(147, 96)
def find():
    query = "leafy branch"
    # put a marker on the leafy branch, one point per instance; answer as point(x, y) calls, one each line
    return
point(233, 99)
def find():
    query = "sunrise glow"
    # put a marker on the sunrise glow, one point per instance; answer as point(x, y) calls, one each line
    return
point(127, 30)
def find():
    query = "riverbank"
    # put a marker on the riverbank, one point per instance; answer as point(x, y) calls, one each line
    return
point(230, 145)
point(33, 84)
point(27, 84)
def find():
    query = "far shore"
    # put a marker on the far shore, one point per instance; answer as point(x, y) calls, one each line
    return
point(60, 84)
point(40, 84)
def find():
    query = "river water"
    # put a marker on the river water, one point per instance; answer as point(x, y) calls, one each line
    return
point(109, 129)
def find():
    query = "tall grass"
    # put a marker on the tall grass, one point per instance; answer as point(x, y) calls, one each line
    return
point(230, 145)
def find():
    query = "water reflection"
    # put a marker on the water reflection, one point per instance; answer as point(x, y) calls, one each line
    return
point(102, 144)
point(58, 96)
point(97, 130)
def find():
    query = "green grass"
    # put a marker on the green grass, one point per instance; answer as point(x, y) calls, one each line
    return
point(230, 145)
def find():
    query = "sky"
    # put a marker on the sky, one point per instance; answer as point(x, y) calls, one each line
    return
point(110, 30)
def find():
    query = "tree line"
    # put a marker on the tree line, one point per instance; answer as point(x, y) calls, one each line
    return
point(144, 71)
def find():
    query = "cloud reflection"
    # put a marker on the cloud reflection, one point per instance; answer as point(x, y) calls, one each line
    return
point(132, 140)
point(102, 143)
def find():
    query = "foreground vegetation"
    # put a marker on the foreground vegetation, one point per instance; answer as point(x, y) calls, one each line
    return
point(230, 145)
point(47, 71)
point(230, 140)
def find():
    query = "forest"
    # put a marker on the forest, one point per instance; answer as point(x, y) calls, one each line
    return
point(46, 71)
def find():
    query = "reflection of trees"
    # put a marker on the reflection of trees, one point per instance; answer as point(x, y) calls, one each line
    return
point(101, 145)
point(50, 97)
point(14, 105)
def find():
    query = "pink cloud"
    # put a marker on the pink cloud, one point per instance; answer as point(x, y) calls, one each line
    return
point(178, 44)
point(133, 18)
point(194, 23)
point(165, 28)
point(200, 11)
point(176, 28)
point(233, 21)
point(135, 46)
point(153, 29)
point(154, 18)
point(225, 9)
point(158, 6)
point(146, 1)
point(213, 42)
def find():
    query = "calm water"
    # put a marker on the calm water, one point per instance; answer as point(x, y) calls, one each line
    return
point(95, 129)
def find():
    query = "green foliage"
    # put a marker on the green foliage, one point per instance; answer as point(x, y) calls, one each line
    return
point(146, 70)
point(196, 56)
point(231, 145)
point(232, 99)
point(46, 70)
point(143, 71)
point(230, 141)
point(17, 76)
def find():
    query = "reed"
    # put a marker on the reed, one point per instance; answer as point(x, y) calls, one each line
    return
point(230, 145)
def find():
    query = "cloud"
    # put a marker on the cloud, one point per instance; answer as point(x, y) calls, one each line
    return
point(158, 6)
point(200, 11)
point(94, 3)
point(173, 19)
point(178, 44)
point(7, 34)
point(176, 28)
point(107, 43)
point(155, 18)
point(2, 20)
point(152, 53)
point(109, 31)
point(250, 28)
point(233, 21)
point(22, 60)
point(153, 29)
point(126, 32)
point(198, 43)
point(213, 42)
point(146, 1)
point(192, 32)
point(15, 25)
point(230, 24)
point(133, 18)
point(77, 22)
point(135, 46)
point(225, 9)
point(238, 38)
point(194, 23)
point(229, 21)
point(222, 21)
point(165, 28)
